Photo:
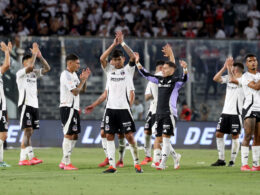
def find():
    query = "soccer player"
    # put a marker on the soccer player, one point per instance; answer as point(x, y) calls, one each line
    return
point(118, 117)
point(151, 93)
point(3, 112)
point(166, 112)
point(230, 121)
point(121, 137)
point(26, 79)
point(251, 113)
point(70, 87)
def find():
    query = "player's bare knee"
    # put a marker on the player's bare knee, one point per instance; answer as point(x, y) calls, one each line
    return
point(235, 136)
point(121, 136)
point(110, 137)
point(147, 132)
point(219, 134)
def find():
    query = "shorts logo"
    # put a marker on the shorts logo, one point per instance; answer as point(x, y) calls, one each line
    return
point(127, 124)
point(6, 126)
point(235, 131)
point(107, 119)
point(146, 125)
point(166, 126)
point(128, 129)
point(28, 115)
point(164, 131)
point(107, 128)
point(74, 128)
point(28, 122)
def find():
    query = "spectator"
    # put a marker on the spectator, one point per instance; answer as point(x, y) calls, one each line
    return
point(250, 31)
point(204, 112)
point(254, 15)
point(229, 17)
point(137, 109)
point(220, 34)
point(185, 112)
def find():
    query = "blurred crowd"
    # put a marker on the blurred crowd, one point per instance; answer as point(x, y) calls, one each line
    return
point(138, 18)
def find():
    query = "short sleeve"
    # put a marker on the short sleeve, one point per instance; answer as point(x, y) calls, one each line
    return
point(67, 80)
point(225, 79)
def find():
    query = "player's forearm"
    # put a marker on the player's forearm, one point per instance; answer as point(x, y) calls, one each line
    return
point(77, 90)
point(100, 100)
point(255, 86)
point(45, 66)
point(131, 97)
point(172, 58)
point(217, 77)
point(144, 73)
point(104, 56)
point(6, 64)
point(129, 51)
point(31, 66)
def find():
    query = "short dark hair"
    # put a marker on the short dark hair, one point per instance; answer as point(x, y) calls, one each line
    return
point(239, 65)
point(72, 57)
point(116, 53)
point(171, 64)
point(160, 62)
point(26, 57)
point(249, 55)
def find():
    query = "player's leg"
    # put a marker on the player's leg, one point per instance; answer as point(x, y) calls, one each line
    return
point(111, 150)
point(157, 151)
point(104, 146)
point(256, 148)
point(221, 149)
point(134, 150)
point(3, 137)
point(234, 149)
point(166, 147)
point(121, 142)
point(249, 125)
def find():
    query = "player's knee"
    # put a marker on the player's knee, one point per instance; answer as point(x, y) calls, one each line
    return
point(102, 133)
point(235, 136)
point(219, 134)
point(147, 132)
point(110, 137)
point(121, 136)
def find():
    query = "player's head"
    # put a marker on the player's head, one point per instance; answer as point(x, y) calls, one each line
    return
point(117, 58)
point(251, 62)
point(72, 62)
point(27, 59)
point(159, 65)
point(168, 69)
point(237, 68)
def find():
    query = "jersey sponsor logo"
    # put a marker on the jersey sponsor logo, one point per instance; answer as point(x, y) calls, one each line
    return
point(117, 79)
point(164, 85)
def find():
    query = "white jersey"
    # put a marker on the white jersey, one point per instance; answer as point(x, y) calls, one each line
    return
point(2, 93)
point(252, 97)
point(234, 97)
point(27, 87)
point(119, 84)
point(152, 89)
point(68, 81)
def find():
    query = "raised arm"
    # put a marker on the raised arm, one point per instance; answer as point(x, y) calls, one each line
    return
point(100, 100)
point(104, 56)
point(167, 51)
point(34, 51)
point(6, 49)
point(45, 66)
point(128, 50)
point(217, 77)
point(83, 78)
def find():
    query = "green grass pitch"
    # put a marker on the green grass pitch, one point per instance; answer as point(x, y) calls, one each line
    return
point(194, 177)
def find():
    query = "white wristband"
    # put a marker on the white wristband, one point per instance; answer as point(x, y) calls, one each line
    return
point(185, 69)
point(138, 64)
point(123, 44)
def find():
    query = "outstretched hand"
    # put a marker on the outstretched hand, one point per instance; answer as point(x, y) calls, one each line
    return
point(167, 50)
point(89, 109)
point(85, 74)
point(4, 47)
point(35, 48)
point(120, 36)
point(229, 62)
point(183, 64)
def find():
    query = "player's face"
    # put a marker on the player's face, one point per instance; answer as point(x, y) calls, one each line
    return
point(74, 65)
point(167, 70)
point(118, 62)
point(251, 63)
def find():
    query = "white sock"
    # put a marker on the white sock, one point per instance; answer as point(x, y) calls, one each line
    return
point(244, 155)
point(121, 149)
point(23, 154)
point(111, 150)
point(165, 150)
point(134, 152)
point(147, 145)
point(29, 151)
point(234, 149)
point(157, 155)
point(104, 145)
point(255, 155)
point(66, 147)
point(1, 150)
point(172, 152)
point(221, 148)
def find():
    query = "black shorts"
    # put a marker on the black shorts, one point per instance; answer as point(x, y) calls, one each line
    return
point(70, 120)
point(149, 122)
point(3, 122)
point(229, 124)
point(118, 121)
point(165, 124)
point(256, 114)
point(29, 117)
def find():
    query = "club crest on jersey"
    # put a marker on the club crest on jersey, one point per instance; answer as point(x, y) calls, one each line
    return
point(122, 72)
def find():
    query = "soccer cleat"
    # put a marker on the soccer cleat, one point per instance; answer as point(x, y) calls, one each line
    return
point(138, 169)
point(62, 165)
point(146, 160)
point(105, 163)
point(160, 167)
point(70, 167)
point(219, 163)
point(110, 169)
point(24, 162)
point(177, 161)
point(35, 161)
point(120, 164)
point(4, 164)
point(155, 164)
point(245, 168)
point(231, 163)
point(255, 168)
